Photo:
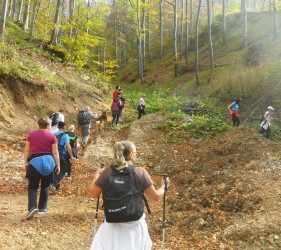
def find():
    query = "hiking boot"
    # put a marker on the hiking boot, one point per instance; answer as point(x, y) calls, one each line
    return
point(56, 188)
point(31, 212)
point(43, 211)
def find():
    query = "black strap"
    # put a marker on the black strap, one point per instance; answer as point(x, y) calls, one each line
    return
point(132, 170)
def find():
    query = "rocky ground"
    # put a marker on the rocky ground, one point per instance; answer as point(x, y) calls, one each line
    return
point(225, 191)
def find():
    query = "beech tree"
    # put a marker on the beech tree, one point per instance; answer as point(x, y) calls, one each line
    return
point(196, 44)
point(55, 32)
point(210, 36)
point(3, 17)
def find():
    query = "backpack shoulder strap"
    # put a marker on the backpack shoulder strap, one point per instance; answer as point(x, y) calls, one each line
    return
point(132, 171)
point(59, 137)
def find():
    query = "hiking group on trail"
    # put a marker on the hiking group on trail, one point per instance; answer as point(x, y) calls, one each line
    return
point(264, 118)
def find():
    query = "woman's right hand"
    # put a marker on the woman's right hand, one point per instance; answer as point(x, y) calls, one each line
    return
point(57, 170)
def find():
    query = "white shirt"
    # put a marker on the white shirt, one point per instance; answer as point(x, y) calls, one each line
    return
point(55, 128)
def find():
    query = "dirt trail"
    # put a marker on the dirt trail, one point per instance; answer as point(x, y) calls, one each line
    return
point(225, 192)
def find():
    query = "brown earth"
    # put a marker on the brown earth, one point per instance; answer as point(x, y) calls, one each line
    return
point(225, 191)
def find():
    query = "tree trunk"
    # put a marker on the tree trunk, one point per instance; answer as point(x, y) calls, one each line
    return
point(161, 27)
point(143, 37)
point(3, 18)
point(182, 25)
point(26, 15)
point(71, 15)
point(186, 32)
point(148, 37)
point(275, 21)
point(115, 31)
point(210, 35)
point(55, 32)
point(10, 7)
point(33, 19)
point(14, 14)
point(223, 22)
point(196, 44)
point(176, 38)
point(191, 23)
point(245, 24)
point(139, 43)
point(20, 10)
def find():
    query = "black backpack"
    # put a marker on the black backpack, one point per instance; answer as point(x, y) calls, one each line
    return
point(82, 117)
point(60, 147)
point(123, 201)
point(55, 118)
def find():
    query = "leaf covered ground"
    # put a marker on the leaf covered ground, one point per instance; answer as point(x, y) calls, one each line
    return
point(225, 191)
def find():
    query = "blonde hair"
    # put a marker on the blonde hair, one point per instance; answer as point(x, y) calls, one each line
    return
point(121, 153)
point(71, 127)
point(44, 122)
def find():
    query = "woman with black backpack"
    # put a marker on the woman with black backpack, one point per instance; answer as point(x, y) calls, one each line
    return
point(122, 186)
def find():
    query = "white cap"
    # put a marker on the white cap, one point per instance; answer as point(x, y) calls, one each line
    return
point(269, 107)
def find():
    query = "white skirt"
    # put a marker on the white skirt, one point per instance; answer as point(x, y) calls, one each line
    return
point(122, 236)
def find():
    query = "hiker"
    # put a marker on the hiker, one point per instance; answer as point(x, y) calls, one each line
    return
point(141, 107)
point(266, 123)
point(233, 112)
point(115, 92)
point(63, 148)
point(122, 101)
point(56, 118)
point(41, 160)
point(116, 110)
point(84, 122)
point(73, 137)
point(132, 234)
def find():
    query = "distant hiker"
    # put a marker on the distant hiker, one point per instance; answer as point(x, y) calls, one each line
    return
point(266, 123)
point(63, 148)
point(122, 101)
point(122, 228)
point(41, 160)
point(116, 110)
point(233, 112)
point(56, 118)
point(141, 106)
point(84, 122)
point(73, 137)
point(115, 92)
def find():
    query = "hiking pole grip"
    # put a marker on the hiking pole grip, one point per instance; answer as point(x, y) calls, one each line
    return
point(164, 210)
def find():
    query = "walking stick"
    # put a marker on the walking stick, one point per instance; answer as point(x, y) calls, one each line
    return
point(164, 217)
point(96, 215)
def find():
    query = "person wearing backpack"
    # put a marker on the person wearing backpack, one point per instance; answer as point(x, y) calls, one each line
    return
point(41, 162)
point(141, 106)
point(56, 118)
point(84, 119)
point(63, 148)
point(73, 137)
point(124, 226)
point(116, 110)
point(233, 112)
point(266, 123)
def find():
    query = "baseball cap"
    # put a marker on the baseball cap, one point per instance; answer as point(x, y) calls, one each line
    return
point(269, 107)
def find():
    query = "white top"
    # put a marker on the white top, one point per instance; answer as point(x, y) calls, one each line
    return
point(123, 236)
point(55, 128)
point(141, 101)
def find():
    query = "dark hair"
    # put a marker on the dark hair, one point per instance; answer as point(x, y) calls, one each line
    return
point(116, 87)
point(238, 100)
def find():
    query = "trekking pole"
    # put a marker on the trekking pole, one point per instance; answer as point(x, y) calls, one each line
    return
point(96, 215)
point(164, 212)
